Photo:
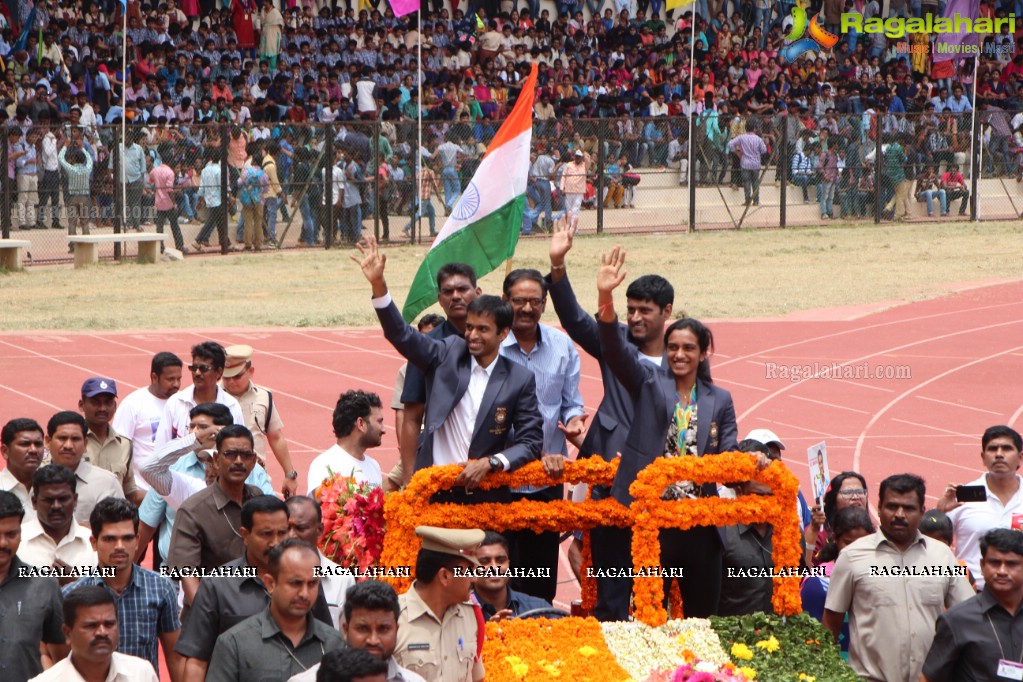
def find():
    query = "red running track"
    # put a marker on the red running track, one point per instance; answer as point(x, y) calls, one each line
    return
point(957, 361)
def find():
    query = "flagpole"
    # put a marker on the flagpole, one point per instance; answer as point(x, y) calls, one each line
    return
point(418, 227)
point(975, 163)
point(124, 112)
point(692, 127)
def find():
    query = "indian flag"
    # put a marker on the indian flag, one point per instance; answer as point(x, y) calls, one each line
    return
point(484, 225)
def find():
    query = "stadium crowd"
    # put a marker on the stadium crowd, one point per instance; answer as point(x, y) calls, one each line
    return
point(264, 87)
point(240, 586)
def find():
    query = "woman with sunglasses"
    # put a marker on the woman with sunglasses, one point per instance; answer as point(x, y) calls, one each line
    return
point(848, 489)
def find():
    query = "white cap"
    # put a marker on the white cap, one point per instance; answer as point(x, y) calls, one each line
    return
point(765, 436)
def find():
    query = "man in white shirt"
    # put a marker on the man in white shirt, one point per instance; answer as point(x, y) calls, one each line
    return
point(1003, 508)
point(138, 415)
point(53, 538)
point(21, 444)
point(90, 626)
point(208, 359)
point(305, 522)
point(66, 443)
point(358, 426)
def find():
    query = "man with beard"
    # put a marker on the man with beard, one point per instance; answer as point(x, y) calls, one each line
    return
point(21, 444)
point(550, 354)
point(104, 446)
point(358, 423)
point(497, 599)
point(283, 639)
point(53, 538)
point(371, 624)
point(65, 440)
point(222, 602)
point(90, 625)
point(36, 615)
point(894, 584)
point(208, 361)
point(147, 603)
point(206, 528)
point(649, 304)
point(139, 413)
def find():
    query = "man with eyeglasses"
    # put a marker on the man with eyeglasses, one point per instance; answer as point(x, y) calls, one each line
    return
point(261, 413)
point(550, 354)
point(208, 360)
point(207, 526)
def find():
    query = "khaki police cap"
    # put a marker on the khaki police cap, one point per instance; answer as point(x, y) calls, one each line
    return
point(237, 358)
point(462, 543)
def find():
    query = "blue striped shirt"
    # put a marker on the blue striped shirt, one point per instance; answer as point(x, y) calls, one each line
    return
point(134, 163)
point(147, 608)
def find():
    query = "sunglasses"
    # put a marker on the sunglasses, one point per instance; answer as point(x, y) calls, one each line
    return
point(201, 369)
point(244, 455)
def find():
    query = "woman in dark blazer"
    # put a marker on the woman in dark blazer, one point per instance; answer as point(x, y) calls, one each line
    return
point(677, 414)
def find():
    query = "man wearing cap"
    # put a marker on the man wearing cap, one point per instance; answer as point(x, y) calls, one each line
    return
point(104, 447)
point(438, 629)
point(775, 446)
point(261, 414)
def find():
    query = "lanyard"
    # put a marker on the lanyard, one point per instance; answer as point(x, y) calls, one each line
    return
point(999, 641)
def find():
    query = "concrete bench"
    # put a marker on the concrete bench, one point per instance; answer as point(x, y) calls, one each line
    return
point(10, 253)
point(87, 245)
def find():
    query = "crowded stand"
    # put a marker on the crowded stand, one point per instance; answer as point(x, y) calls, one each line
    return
point(877, 126)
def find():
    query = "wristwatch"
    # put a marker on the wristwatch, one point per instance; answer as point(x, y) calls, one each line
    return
point(495, 463)
point(293, 475)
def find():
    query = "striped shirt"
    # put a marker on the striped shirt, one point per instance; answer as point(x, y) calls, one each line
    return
point(147, 608)
point(77, 174)
point(752, 147)
point(134, 163)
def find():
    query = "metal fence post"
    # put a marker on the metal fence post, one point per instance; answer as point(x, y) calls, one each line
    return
point(877, 170)
point(5, 220)
point(223, 229)
point(376, 179)
point(783, 172)
point(690, 184)
point(117, 161)
point(600, 175)
point(975, 168)
point(328, 187)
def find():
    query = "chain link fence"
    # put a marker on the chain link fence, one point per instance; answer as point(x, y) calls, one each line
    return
point(327, 184)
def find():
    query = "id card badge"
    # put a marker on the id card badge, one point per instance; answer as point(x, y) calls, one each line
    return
point(1010, 670)
point(1017, 522)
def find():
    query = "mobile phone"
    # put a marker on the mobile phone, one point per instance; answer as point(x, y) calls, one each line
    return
point(971, 493)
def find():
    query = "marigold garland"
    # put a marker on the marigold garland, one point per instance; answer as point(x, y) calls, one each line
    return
point(539, 650)
point(648, 514)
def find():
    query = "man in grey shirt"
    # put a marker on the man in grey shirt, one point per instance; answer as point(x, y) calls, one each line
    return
point(539, 190)
point(284, 639)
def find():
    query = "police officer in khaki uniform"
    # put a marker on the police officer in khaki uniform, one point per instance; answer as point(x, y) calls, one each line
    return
point(437, 628)
point(262, 417)
point(104, 447)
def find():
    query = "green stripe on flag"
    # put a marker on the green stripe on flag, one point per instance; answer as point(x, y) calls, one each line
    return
point(484, 245)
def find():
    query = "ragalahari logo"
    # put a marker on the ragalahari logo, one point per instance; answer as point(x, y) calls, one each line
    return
point(818, 40)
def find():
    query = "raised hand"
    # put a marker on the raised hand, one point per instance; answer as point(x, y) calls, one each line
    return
point(561, 244)
point(610, 275)
point(371, 262)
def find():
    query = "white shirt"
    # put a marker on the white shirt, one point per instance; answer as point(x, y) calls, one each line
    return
point(364, 98)
point(452, 439)
point(175, 420)
point(93, 485)
point(395, 673)
point(971, 520)
point(366, 470)
point(123, 668)
point(335, 584)
point(9, 483)
point(38, 549)
point(138, 417)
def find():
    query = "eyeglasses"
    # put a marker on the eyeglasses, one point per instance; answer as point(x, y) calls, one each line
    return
point(521, 300)
point(244, 455)
point(201, 369)
point(853, 492)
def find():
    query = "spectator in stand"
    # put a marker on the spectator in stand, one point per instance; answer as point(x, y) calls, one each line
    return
point(954, 184)
point(573, 187)
point(927, 189)
point(749, 147)
point(77, 165)
point(161, 179)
